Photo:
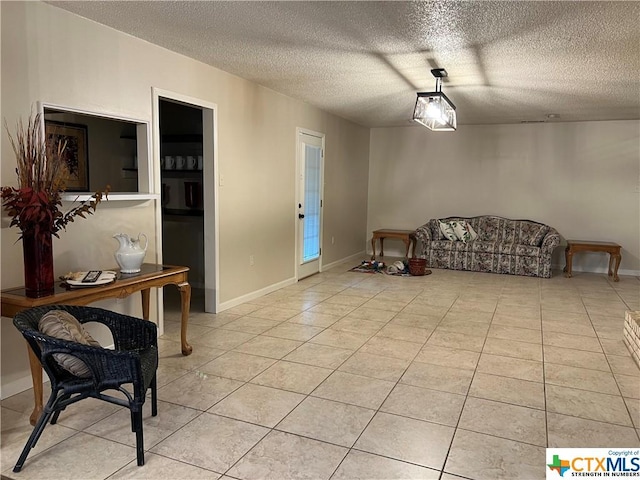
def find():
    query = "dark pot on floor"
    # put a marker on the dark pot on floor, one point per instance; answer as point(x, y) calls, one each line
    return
point(417, 266)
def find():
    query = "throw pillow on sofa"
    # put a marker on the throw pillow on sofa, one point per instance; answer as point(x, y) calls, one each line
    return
point(464, 232)
point(447, 230)
point(63, 325)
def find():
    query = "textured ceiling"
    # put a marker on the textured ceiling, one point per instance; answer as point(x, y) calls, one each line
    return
point(508, 62)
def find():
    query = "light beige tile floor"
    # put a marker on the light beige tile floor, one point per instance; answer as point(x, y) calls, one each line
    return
point(348, 375)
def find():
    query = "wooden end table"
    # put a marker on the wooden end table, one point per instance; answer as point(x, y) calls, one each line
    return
point(576, 246)
point(407, 236)
point(14, 300)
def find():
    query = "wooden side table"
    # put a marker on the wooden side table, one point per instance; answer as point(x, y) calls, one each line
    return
point(576, 246)
point(15, 300)
point(407, 236)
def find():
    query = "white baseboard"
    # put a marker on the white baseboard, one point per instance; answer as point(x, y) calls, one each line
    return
point(391, 252)
point(602, 270)
point(285, 283)
point(18, 386)
point(257, 294)
point(355, 257)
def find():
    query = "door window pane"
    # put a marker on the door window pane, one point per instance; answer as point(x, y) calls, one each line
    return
point(311, 223)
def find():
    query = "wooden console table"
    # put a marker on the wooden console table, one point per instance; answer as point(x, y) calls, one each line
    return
point(576, 246)
point(407, 236)
point(15, 300)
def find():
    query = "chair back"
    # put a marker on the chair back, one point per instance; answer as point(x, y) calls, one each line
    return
point(27, 324)
point(44, 346)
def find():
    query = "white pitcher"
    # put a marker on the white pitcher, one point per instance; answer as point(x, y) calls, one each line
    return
point(130, 254)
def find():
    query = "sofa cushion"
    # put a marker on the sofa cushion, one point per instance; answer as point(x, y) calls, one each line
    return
point(506, 248)
point(524, 232)
point(527, 251)
point(480, 246)
point(515, 249)
point(434, 227)
point(532, 233)
point(61, 324)
point(464, 231)
point(490, 229)
point(445, 245)
point(447, 230)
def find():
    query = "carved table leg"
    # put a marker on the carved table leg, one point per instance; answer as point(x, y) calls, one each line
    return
point(413, 246)
point(185, 296)
point(568, 255)
point(610, 270)
point(615, 258)
point(36, 378)
point(407, 242)
point(382, 246)
point(146, 294)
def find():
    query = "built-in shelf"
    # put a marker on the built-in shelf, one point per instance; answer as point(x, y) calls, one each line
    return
point(173, 138)
point(181, 173)
point(183, 212)
point(169, 170)
point(113, 196)
point(182, 138)
point(173, 173)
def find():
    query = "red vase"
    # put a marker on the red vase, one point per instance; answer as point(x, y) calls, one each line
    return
point(38, 264)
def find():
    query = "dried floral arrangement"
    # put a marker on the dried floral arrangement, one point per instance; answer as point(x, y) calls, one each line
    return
point(36, 204)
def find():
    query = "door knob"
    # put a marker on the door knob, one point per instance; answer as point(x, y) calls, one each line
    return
point(301, 215)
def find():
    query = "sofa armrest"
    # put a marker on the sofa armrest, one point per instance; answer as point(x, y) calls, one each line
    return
point(423, 241)
point(550, 241)
point(423, 233)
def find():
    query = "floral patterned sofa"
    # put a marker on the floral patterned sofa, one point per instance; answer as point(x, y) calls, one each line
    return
point(516, 247)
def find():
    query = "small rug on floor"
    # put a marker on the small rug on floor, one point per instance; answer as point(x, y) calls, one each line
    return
point(380, 267)
point(369, 267)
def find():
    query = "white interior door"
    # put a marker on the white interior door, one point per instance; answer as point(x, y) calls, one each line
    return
point(309, 231)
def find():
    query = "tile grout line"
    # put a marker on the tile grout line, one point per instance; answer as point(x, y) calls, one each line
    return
point(397, 381)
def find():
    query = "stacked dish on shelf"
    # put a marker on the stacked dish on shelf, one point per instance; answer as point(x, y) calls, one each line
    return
point(181, 162)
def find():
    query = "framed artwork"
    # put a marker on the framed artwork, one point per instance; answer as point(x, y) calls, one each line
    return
point(75, 154)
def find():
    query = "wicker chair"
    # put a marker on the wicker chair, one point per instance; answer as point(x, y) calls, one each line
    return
point(133, 361)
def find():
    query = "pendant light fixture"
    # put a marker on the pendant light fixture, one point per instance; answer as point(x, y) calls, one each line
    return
point(434, 110)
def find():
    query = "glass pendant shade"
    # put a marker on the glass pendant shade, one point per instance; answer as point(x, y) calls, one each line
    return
point(435, 111)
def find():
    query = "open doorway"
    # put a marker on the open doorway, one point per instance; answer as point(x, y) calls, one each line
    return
point(181, 164)
point(188, 213)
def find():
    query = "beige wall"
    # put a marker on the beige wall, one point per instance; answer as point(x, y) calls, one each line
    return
point(52, 56)
point(581, 178)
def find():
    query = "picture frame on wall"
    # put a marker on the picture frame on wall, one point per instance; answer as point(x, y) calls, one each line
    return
point(76, 154)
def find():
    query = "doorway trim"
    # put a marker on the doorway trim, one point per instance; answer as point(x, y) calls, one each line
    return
point(299, 157)
point(210, 190)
